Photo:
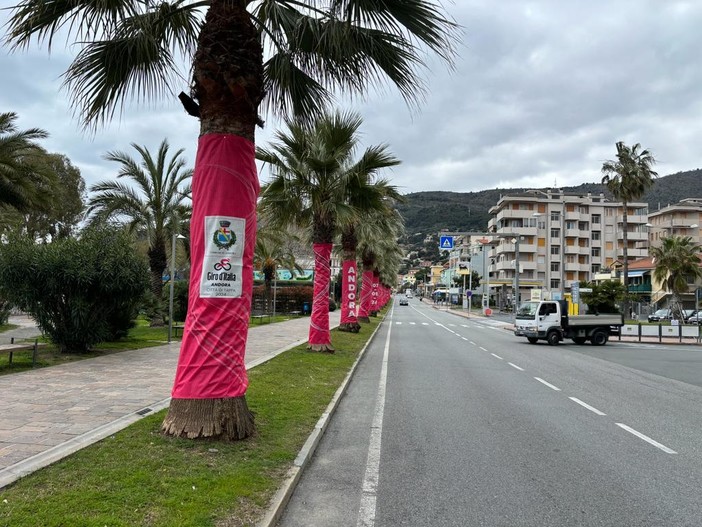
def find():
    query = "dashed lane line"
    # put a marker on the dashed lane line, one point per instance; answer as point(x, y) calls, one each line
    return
point(646, 438)
point(515, 366)
point(556, 388)
point(585, 405)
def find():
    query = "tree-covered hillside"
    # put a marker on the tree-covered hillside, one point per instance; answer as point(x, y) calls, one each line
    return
point(429, 212)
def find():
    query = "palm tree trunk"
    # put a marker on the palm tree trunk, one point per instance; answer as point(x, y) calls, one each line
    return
point(319, 335)
point(366, 295)
point(211, 381)
point(158, 261)
point(349, 285)
point(375, 294)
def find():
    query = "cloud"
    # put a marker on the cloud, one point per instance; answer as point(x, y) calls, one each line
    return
point(540, 93)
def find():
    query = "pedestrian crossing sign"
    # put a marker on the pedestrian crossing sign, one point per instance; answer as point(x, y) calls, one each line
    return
point(446, 242)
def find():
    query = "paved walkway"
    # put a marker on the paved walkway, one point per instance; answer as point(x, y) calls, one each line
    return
point(51, 412)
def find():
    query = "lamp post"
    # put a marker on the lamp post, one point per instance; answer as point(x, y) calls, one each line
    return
point(172, 279)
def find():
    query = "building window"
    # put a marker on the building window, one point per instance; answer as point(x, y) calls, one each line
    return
point(555, 249)
point(596, 218)
point(596, 268)
point(555, 233)
point(583, 226)
point(555, 215)
point(570, 225)
point(595, 251)
point(596, 235)
point(555, 284)
point(555, 266)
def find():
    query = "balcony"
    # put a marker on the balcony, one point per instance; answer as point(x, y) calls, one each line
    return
point(640, 288)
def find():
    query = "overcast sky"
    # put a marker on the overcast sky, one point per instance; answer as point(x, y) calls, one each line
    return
point(540, 94)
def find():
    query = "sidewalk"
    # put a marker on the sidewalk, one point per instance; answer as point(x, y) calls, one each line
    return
point(52, 412)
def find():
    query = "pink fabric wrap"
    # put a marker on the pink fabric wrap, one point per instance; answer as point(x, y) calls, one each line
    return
point(319, 321)
point(349, 292)
point(366, 291)
point(225, 186)
point(375, 293)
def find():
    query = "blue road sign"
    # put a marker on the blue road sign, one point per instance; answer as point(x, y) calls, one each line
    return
point(446, 242)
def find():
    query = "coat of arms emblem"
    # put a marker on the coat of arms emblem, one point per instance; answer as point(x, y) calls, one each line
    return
point(224, 237)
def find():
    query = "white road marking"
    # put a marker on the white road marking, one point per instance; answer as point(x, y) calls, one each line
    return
point(486, 350)
point(585, 405)
point(398, 323)
point(548, 384)
point(412, 323)
point(474, 344)
point(496, 356)
point(464, 338)
point(465, 326)
point(647, 439)
point(515, 366)
point(425, 323)
point(369, 494)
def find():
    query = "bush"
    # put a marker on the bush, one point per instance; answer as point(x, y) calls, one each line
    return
point(332, 305)
point(180, 300)
point(80, 291)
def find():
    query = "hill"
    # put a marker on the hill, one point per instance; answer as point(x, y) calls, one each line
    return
point(429, 212)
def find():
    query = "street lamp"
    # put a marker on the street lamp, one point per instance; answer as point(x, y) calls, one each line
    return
point(172, 279)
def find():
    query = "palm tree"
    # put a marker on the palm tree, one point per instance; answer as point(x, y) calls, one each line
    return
point(156, 204)
point(628, 178)
point(677, 263)
point(271, 254)
point(312, 49)
point(23, 169)
point(378, 236)
point(366, 194)
point(313, 174)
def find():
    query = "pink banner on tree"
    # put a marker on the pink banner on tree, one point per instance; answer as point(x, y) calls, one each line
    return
point(375, 293)
point(222, 238)
point(349, 292)
point(366, 290)
point(319, 321)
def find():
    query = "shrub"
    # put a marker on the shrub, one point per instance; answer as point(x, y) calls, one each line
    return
point(180, 300)
point(80, 291)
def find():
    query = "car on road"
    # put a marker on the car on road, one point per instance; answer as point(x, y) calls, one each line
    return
point(661, 314)
point(404, 301)
point(695, 318)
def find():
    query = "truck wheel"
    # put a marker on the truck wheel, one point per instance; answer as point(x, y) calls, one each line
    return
point(579, 340)
point(599, 338)
point(532, 340)
point(553, 338)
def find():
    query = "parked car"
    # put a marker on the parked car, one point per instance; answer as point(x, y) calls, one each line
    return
point(404, 301)
point(695, 318)
point(661, 314)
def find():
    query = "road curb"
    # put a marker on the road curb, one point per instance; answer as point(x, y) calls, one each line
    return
point(284, 492)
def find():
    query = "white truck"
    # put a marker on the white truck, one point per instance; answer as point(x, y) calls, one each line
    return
point(549, 321)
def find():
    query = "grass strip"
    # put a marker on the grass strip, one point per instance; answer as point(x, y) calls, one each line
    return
point(139, 478)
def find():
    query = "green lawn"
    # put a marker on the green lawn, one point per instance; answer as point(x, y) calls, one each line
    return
point(139, 478)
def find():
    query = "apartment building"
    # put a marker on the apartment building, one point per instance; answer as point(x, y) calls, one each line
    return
point(682, 219)
point(558, 238)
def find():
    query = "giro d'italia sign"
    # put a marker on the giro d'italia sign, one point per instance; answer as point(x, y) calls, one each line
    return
point(222, 262)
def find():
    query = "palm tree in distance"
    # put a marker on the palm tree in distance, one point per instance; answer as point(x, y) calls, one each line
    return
point(312, 49)
point(367, 194)
point(677, 263)
point(377, 240)
point(314, 176)
point(628, 177)
point(157, 204)
point(271, 254)
point(22, 168)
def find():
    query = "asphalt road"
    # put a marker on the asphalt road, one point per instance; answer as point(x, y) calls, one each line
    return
point(453, 422)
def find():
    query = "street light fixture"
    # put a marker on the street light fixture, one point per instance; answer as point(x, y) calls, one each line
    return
point(172, 279)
